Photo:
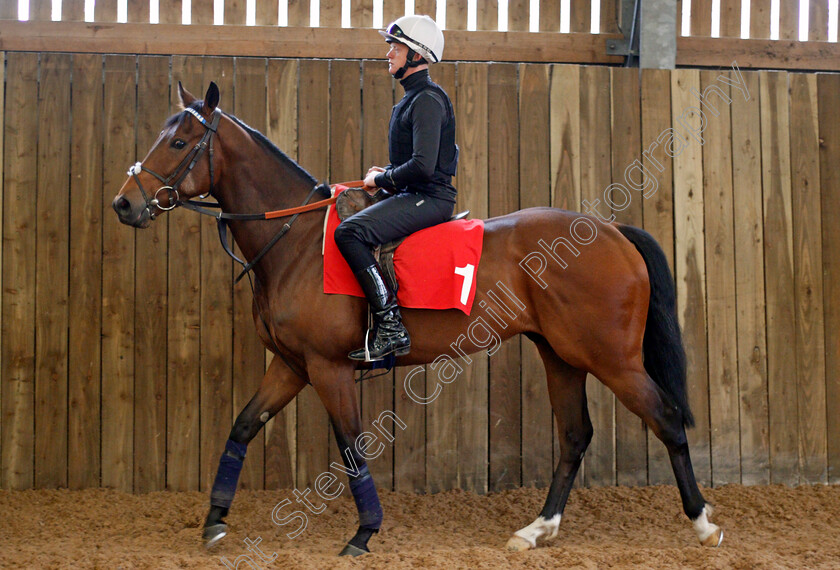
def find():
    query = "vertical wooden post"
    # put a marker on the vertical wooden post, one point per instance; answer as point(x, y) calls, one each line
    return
point(581, 17)
point(828, 91)
point(235, 12)
point(40, 10)
point(749, 283)
point(690, 256)
point(807, 277)
point(151, 302)
point(202, 12)
point(19, 245)
point(267, 12)
point(361, 14)
point(456, 14)
point(730, 18)
point(52, 272)
point(488, 16)
point(722, 336)
point(391, 10)
point(789, 20)
point(778, 261)
point(818, 20)
point(759, 19)
point(170, 12)
point(118, 279)
point(519, 14)
point(138, 11)
point(701, 18)
point(330, 14)
point(105, 11)
point(427, 7)
point(505, 413)
point(85, 317)
point(609, 15)
point(72, 10)
point(298, 13)
point(9, 11)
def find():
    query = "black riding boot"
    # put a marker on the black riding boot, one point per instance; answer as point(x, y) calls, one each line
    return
point(388, 334)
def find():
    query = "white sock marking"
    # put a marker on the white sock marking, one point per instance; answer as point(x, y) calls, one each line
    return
point(702, 526)
point(539, 528)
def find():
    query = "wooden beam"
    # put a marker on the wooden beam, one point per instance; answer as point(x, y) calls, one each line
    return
point(271, 41)
point(757, 54)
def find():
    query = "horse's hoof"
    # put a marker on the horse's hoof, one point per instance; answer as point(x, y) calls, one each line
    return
point(213, 534)
point(518, 544)
point(714, 539)
point(351, 550)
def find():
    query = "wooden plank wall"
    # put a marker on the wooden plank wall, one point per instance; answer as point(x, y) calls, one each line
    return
point(548, 16)
point(126, 354)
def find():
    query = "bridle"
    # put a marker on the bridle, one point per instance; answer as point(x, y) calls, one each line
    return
point(174, 180)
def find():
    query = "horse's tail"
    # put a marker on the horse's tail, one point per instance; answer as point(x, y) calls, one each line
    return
point(663, 348)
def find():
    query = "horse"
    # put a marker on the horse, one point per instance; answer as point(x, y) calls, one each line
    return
point(609, 311)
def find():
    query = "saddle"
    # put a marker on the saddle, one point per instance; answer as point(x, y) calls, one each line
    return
point(354, 200)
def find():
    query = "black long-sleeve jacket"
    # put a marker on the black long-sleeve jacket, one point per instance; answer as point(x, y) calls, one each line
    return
point(421, 141)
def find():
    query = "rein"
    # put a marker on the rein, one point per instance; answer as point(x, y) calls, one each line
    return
point(223, 217)
point(172, 182)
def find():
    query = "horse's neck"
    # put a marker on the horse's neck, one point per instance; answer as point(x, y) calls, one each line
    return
point(256, 183)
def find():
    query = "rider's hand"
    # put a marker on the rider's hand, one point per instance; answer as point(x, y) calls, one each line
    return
point(370, 177)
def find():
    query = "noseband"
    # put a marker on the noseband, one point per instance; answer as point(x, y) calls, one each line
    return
point(174, 180)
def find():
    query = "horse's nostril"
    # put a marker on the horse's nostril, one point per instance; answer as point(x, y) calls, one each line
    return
point(122, 205)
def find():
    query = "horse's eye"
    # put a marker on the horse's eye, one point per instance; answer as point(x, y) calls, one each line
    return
point(179, 144)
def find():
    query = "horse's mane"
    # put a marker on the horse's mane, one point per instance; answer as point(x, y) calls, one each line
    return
point(258, 137)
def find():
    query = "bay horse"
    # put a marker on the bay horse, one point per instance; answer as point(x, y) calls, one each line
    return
point(609, 311)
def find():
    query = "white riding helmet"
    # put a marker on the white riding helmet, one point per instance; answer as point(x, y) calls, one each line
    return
point(420, 33)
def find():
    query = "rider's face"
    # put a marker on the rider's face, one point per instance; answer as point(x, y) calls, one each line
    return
point(396, 56)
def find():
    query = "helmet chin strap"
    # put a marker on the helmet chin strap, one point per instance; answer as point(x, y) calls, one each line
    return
point(409, 62)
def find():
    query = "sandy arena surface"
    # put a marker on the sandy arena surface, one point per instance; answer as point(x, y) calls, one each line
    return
point(765, 527)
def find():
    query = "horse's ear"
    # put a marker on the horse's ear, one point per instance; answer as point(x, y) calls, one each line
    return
point(185, 98)
point(211, 98)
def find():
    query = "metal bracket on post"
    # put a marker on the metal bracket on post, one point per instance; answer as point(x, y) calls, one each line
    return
point(620, 47)
point(628, 46)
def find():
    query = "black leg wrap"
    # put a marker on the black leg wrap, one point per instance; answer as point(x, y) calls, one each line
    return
point(230, 465)
point(367, 500)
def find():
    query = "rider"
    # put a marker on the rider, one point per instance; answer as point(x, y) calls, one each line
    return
point(424, 157)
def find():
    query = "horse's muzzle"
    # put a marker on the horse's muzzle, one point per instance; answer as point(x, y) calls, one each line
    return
point(130, 215)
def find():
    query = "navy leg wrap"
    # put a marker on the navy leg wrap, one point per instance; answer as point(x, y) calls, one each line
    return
point(367, 500)
point(230, 465)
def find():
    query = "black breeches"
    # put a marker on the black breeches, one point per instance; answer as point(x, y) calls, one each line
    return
point(391, 219)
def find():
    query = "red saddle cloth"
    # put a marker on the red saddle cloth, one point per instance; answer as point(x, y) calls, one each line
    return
point(436, 267)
